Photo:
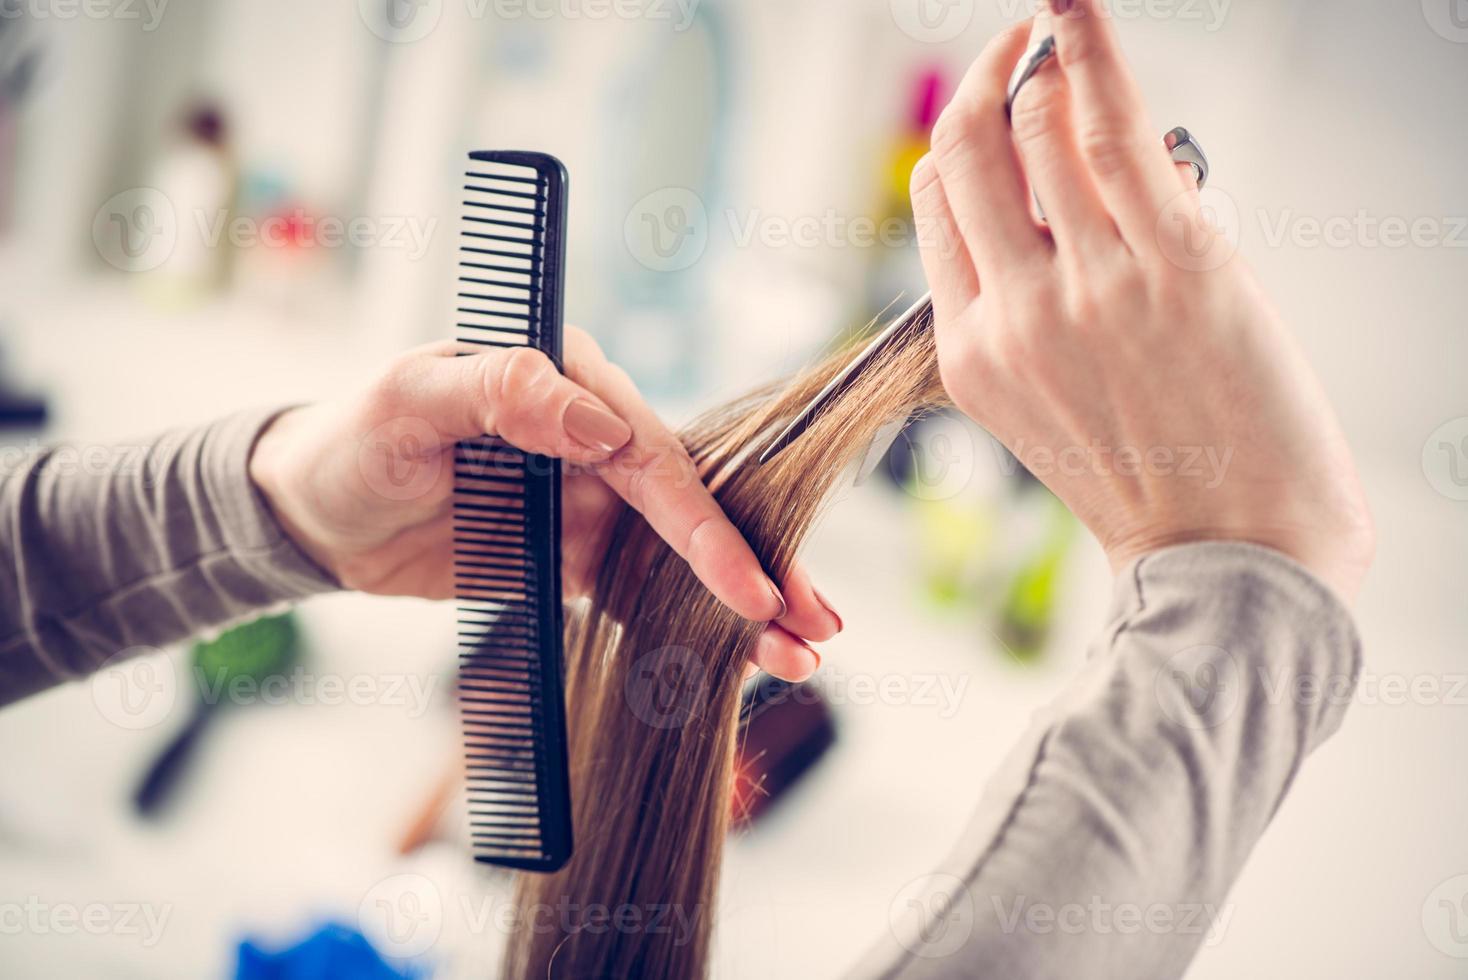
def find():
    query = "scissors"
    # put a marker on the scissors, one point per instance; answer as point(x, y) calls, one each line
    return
point(1179, 142)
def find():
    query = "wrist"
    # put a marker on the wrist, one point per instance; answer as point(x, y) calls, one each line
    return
point(1339, 561)
point(271, 472)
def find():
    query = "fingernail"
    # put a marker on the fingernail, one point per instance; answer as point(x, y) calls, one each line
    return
point(1061, 6)
point(778, 598)
point(820, 597)
point(595, 427)
point(817, 667)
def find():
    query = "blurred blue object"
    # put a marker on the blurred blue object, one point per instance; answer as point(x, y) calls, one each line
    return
point(333, 952)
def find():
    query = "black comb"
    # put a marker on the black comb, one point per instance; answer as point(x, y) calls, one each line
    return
point(507, 526)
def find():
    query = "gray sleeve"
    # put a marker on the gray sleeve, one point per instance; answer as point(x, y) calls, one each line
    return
point(1108, 844)
point(107, 549)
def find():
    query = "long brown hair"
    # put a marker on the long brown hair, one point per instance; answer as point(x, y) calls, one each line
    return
point(654, 669)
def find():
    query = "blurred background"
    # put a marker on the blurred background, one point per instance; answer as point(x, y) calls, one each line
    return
point(217, 204)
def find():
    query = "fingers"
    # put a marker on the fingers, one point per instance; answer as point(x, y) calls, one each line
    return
point(976, 162)
point(654, 475)
point(516, 394)
point(947, 264)
point(1062, 181)
point(784, 655)
point(593, 415)
point(1131, 168)
point(810, 615)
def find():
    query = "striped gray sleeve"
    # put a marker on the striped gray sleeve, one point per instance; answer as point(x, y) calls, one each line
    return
point(135, 547)
point(1107, 845)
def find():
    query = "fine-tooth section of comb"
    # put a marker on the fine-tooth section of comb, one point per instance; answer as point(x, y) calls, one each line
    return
point(507, 526)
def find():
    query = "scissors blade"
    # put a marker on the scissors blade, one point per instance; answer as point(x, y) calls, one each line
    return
point(837, 385)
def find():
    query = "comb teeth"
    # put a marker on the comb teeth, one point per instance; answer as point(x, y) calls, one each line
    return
point(507, 527)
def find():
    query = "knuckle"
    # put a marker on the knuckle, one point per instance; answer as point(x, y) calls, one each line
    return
point(994, 62)
point(1085, 291)
point(924, 180)
point(635, 464)
point(518, 377)
point(1037, 113)
point(386, 393)
point(698, 542)
point(1120, 290)
point(1025, 318)
point(1170, 298)
point(1031, 295)
point(435, 349)
point(405, 365)
point(1011, 348)
point(951, 132)
point(1110, 148)
point(1085, 309)
point(1079, 48)
point(958, 143)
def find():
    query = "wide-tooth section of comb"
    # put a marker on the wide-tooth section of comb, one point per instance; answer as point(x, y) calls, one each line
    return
point(507, 526)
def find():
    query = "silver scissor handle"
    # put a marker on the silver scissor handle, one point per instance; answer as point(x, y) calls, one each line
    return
point(1039, 53)
point(1180, 143)
point(1178, 140)
point(1185, 149)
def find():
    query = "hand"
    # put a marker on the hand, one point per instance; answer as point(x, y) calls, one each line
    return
point(365, 487)
point(1121, 351)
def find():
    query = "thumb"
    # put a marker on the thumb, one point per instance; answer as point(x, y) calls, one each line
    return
point(513, 393)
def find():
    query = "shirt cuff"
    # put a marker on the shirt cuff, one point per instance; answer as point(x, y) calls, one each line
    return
point(1233, 581)
point(261, 546)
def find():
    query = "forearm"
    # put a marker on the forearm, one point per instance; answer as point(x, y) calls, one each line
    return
point(1109, 843)
point(168, 539)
